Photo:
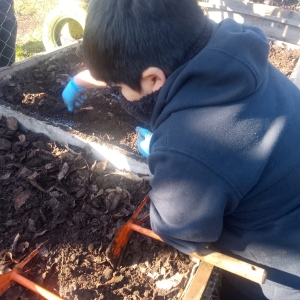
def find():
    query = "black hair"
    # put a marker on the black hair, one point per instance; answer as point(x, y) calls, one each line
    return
point(122, 38)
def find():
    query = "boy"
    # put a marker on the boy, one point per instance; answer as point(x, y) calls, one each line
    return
point(225, 149)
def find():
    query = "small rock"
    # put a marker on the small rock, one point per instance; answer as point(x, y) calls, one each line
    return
point(107, 275)
point(12, 123)
point(22, 138)
point(91, 247)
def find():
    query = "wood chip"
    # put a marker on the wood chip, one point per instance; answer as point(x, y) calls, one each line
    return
point(64, 170)
point(4, 144)
point(21, 199)
point(22, 138)
point(5, 176)
point(24, 173)
point(35, 184)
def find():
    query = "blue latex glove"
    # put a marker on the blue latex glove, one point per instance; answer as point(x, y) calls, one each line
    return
point(72, 95)
point(143, 140)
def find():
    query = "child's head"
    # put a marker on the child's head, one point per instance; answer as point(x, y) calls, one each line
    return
point(123, 38)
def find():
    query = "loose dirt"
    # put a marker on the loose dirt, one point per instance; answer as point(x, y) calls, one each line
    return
point(38, 91)
point(76, 204)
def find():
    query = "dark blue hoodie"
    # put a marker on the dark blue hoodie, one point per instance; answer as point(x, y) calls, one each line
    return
point(225, 155)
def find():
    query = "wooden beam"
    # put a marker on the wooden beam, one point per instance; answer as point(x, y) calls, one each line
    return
point(197, 287)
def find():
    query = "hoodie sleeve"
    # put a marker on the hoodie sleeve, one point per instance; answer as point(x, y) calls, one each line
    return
point(188, 200)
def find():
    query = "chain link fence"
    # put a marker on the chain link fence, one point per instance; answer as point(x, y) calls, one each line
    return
point(8, 33)
point(28, 27)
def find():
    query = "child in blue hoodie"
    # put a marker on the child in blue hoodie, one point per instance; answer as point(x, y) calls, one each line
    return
point(224, 146)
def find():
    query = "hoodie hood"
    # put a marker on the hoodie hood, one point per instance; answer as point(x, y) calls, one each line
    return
point(231, 67)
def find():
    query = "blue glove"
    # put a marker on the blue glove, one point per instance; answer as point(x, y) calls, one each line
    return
point(72, 95)
point(143, 140)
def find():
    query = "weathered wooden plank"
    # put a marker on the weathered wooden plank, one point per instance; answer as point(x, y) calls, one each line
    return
point(231, 264)
point(197, 287)
point(277, 23)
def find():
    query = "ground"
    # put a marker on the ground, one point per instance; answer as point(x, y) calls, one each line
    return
point(73, 203)
point(76, 205)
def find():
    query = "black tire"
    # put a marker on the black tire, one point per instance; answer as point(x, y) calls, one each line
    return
point(63, 25)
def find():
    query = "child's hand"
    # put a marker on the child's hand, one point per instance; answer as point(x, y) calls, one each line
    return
point(143, 140)
point(72, 95)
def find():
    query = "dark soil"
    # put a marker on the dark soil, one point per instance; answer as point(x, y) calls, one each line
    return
point(76, 204)
point(37, 90)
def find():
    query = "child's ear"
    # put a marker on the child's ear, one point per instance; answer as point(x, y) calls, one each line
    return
point(152, 79)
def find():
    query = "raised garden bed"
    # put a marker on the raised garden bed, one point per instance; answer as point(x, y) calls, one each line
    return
point(56, 188)
point(36, 91)
point(64, 196)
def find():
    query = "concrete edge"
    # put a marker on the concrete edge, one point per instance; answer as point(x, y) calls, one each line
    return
point(100, 151)
point(295, 76)
point(31, 61)
point(289, 45)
